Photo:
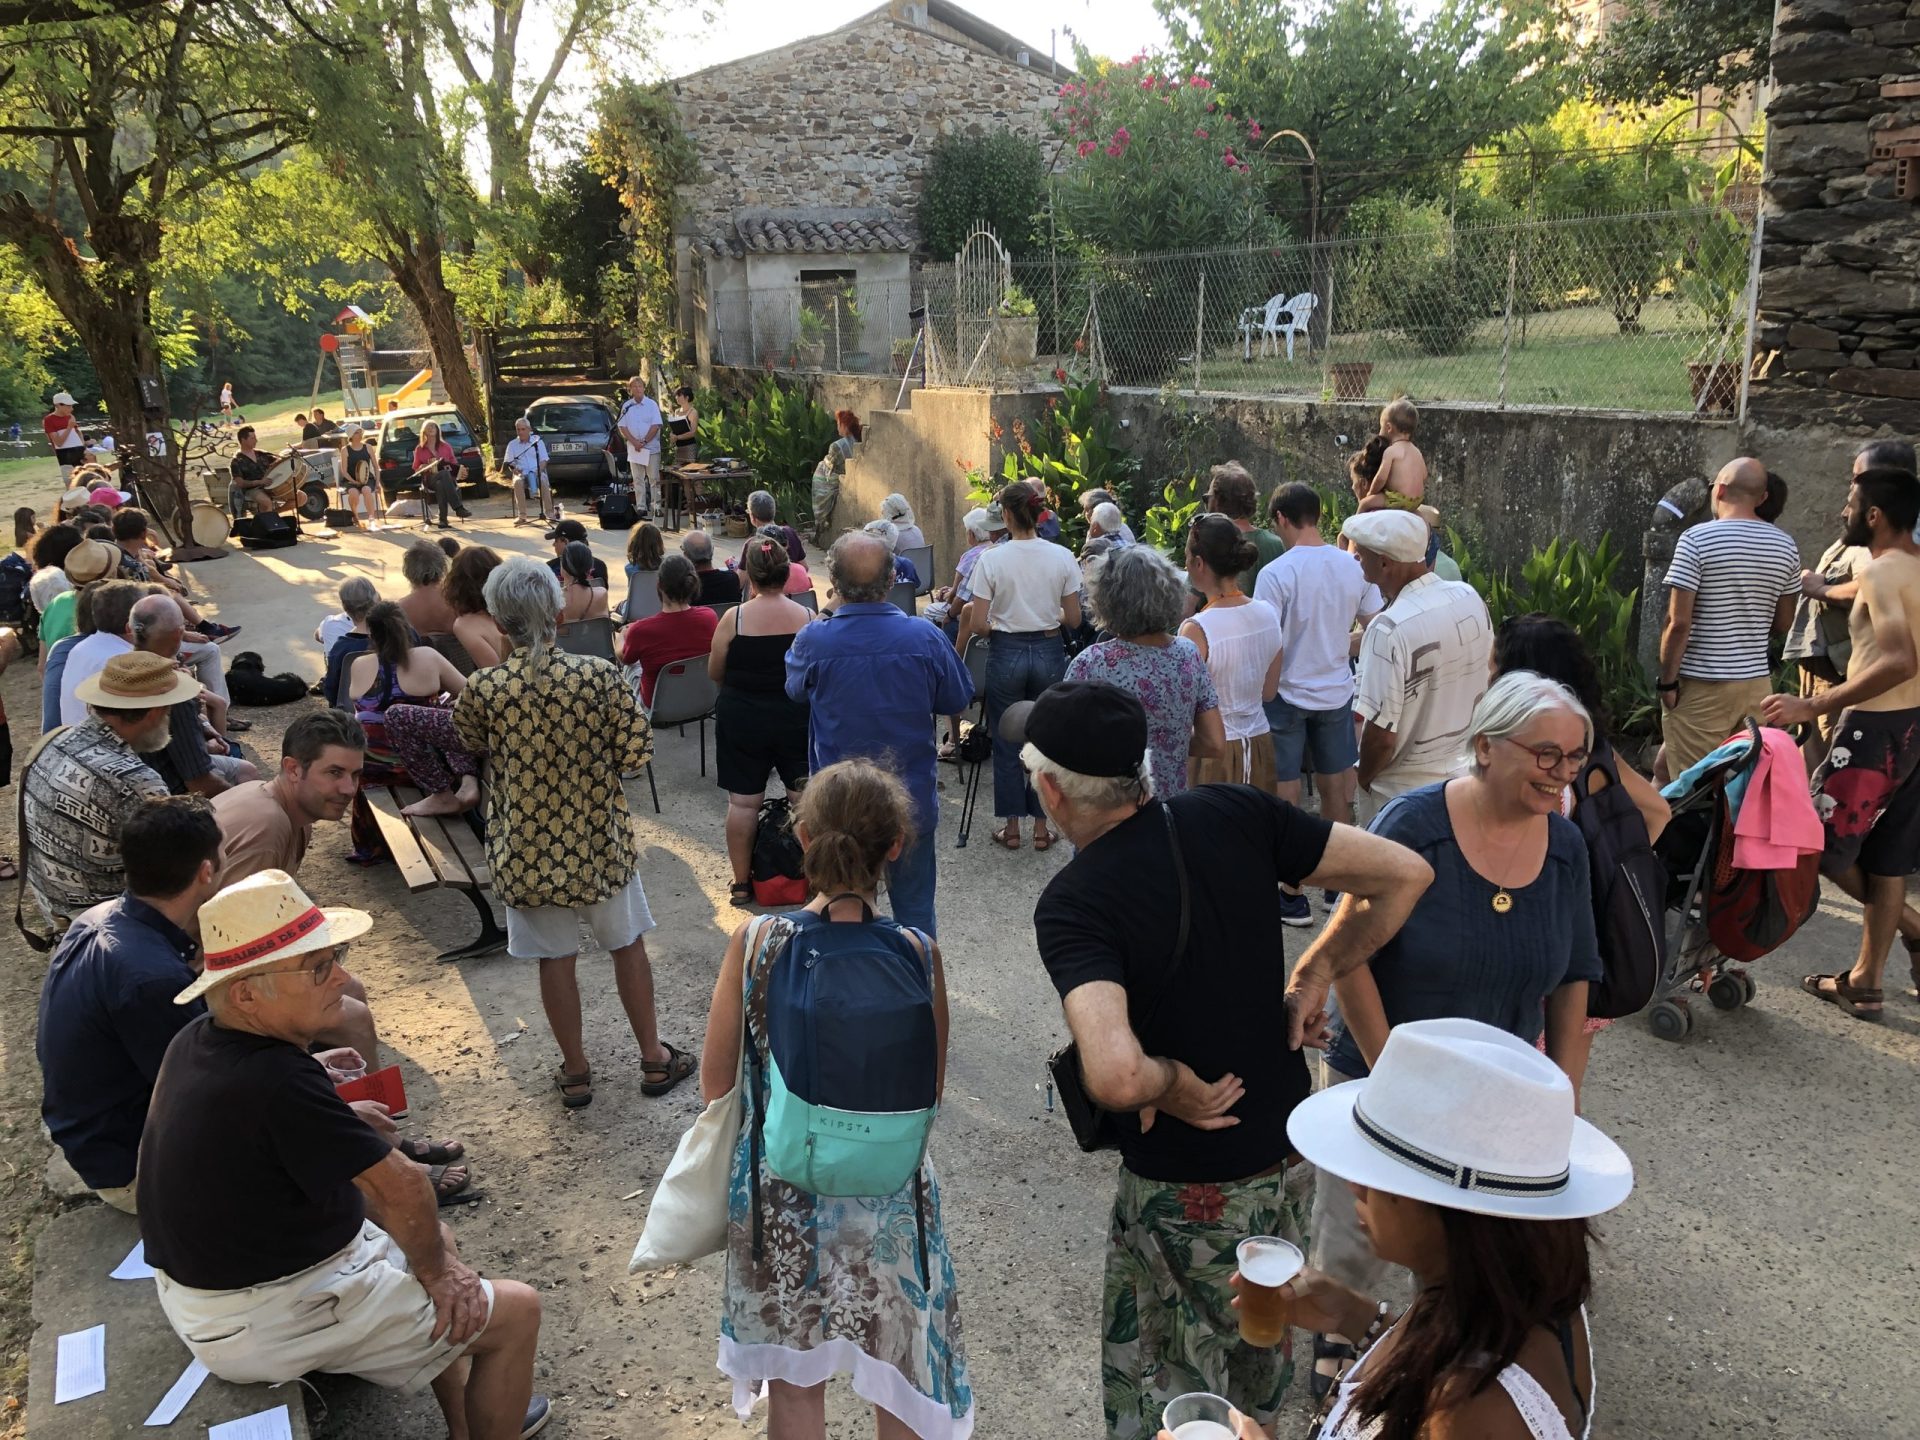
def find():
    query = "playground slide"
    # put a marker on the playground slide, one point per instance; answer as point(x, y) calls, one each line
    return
point(418, 388)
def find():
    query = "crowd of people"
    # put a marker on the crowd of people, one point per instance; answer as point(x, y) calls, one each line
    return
point(1162, 719)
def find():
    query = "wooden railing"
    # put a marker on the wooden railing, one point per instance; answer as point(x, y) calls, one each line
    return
point(522, 351)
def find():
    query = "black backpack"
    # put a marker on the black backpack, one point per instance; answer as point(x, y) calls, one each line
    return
point(15, 571)
point(1629, 892)
point(776, 871)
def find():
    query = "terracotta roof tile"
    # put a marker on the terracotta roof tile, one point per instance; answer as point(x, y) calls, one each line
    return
point(764, 236)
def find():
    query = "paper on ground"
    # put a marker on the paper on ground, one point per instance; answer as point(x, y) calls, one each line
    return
point(273, 1424)
point(135, 1266)
point(175, 1400)
point(80, 1365)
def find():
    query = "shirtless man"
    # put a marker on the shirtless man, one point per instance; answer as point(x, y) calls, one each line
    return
point(1867, 790)
point(1401, 480)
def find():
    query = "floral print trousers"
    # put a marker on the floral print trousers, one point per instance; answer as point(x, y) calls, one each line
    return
point(1167, 1321)
point(423, 738)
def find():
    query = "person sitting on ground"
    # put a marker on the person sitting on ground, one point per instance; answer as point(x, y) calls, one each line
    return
point(1400, 482)
point(89, 778)
point(81, 562)
point(756, 728)
point(761, 513)
point(267, 824)
point(788, 1329)
point(50, 580)
point(357, 599)
point(425, 606)
point(580, 597)
point(395, 671)
point(645, 549)
point(572, 532)
point(197, 759)
point(258, 1183)
point(465, 589)
point(53, 658)
point(904, 570)
point(1138, 597)
point(717, 587)
point(113, 604)
point(896, 509)
point(681, 629)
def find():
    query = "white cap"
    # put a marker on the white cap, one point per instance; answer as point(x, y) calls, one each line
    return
point(1396, 534)
point(61, 397)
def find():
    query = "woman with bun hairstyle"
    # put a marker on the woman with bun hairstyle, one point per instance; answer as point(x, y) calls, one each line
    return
point(1025, 594)
point(1240, 641)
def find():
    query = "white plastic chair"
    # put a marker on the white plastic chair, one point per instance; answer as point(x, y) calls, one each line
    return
point(1299, 311)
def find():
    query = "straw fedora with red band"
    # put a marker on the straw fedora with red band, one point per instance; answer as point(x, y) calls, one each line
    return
point(262, 922)
point(137, 681)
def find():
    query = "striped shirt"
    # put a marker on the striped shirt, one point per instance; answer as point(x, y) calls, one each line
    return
point(1737, 571)
point(1423, 666)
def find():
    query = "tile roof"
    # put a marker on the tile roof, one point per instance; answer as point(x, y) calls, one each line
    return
point(769, 236)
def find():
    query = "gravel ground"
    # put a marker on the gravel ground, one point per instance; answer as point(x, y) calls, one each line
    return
point(1754, 1285)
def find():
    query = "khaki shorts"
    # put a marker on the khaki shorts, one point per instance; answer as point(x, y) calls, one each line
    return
point(1708, 712)
point(359, 1312)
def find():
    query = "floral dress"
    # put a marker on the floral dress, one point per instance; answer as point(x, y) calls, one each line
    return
point(1172, 681)
point(837, 1287)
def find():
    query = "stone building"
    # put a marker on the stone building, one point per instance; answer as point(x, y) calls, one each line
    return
point(800, 228)
point(1840, 255)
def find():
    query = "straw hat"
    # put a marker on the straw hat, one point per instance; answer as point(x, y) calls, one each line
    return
point(137, 681)
point(263, 921)
point(75, 499)
point(91, 560)
point(1464, 1116)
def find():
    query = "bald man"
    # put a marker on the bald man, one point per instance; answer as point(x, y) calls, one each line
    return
point(1734, 581)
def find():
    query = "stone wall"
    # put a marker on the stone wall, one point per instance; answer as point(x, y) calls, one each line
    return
point(846, 120)
point(1840, 259)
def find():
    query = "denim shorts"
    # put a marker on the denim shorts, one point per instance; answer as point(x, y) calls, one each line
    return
point(1320, 741)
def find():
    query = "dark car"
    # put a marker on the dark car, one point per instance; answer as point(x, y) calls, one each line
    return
point(582, 435)
point(400, 433)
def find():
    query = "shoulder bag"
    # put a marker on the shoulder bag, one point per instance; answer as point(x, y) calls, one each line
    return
point(1093, 1127)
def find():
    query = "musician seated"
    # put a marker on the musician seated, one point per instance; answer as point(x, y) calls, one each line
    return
point(252, 493)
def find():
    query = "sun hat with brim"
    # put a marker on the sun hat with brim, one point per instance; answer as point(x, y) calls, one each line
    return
point(1464, 1116)
point(74, 499)
point(91, 560)
point(261, 922)
point(137, 681)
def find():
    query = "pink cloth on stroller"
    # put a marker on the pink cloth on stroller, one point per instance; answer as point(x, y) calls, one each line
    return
point(1777, 823)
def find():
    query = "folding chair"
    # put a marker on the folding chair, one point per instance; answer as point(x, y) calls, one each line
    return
point(587, 637)
point(921, 557)
point(683, 694)
point(974, 657)
point(904, 595)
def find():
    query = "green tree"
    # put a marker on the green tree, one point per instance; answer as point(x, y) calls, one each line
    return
point(1662, 49)
point(583, 242)
point(640, 149)
point(999, 178)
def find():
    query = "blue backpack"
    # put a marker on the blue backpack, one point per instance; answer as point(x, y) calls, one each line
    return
point(851, 1074)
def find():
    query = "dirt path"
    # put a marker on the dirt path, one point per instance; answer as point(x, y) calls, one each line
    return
point(1759, 1283)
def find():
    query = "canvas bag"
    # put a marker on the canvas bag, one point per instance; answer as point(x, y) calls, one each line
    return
point(687, 1217)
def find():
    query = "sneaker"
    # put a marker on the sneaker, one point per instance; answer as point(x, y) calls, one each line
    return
point(1330, 898)
point(217, 632)
point(1294, 910)
point(539, 1411)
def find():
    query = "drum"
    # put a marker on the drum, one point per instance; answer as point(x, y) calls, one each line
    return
point(210, 524)
point(282, 485)
point(314, 500)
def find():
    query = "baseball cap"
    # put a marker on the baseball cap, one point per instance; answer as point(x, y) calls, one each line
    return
point(1084, 726)
point(568, 530)
point(61, 397)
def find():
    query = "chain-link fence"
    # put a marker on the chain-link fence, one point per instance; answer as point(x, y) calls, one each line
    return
point(1645, 312)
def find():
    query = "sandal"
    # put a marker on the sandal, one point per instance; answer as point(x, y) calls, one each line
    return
point(1862, 1004)
point(576, 1091)
point(679, 1065)
point(1001, 838)
point(431, 1152)
point(1913, 957)
point(1331, 1361)
point(740, 895)
point(239, 727)
point(8, 870)
point(949, 750)
point(1043, 841)
point(447, 1192)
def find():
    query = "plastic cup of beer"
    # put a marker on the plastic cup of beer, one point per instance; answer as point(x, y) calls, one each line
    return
point(1198, 1416)
point(1267, 1264)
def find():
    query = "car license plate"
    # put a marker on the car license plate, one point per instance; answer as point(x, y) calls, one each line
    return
point(564, 448)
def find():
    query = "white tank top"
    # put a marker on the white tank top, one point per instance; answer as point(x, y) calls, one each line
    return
point(1241, 643)
point(1537, 1409)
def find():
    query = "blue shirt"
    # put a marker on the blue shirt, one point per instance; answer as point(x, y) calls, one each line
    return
point(106, 1018)
point(875, 678)
point(50, 682)
point(338, 659)
point(1456, 958)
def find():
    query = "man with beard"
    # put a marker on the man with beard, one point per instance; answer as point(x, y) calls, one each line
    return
point(266, 824)
point(86, 779)
point(1867, 790)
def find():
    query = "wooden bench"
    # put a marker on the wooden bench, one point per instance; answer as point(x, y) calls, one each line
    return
point(436, 852)
point(72, 1291)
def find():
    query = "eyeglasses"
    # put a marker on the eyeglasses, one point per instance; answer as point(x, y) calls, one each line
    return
point(320, 972)
point(1550, 757)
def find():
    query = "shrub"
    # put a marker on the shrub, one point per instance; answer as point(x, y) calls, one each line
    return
point(1437, 305)
point(1000, 178)
point(780, 431)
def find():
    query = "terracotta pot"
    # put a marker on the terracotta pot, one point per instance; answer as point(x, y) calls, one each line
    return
point(1350, 379)
point(1716, 387)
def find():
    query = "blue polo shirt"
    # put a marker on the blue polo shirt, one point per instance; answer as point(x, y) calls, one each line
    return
point(106, 1018)
point(875, 677)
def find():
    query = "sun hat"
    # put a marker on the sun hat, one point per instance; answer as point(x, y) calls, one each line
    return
point(74, 500)
point(896, 509)
point(1396, 534)
point(107, 495)
point(137, 681)
point(1464, 1116)
point(91, 560)
point(1084, 726)
point(259, 921)
point(61, 397)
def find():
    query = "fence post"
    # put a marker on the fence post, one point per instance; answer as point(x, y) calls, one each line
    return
point(1751, 302)
point(1326, 353)
point(1199, 329)
point(1506, 325)
point(836, 333)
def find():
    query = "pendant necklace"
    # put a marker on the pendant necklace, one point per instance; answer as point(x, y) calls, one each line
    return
point(1502, 901)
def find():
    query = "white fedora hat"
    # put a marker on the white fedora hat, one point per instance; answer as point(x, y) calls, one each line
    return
point(1466, 1117)
point(261, 921)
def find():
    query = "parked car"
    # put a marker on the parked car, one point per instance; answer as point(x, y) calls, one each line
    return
point(581, 433)
point(400, 433)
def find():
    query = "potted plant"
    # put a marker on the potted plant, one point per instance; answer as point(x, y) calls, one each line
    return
point(902, 353)
point(810, 348)
point(1713, 281)
point(1016, 329)
point(1350, 378)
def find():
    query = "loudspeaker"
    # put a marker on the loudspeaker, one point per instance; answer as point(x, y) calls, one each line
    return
point(342, 519)
point(616, 509)
point(265, 532)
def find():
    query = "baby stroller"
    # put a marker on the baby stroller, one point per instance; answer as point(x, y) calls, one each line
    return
point(1720, 917)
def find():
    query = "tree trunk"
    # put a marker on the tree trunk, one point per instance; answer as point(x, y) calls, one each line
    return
point(415, 263)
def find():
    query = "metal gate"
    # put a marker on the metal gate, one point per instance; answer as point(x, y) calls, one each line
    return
point(982, 275)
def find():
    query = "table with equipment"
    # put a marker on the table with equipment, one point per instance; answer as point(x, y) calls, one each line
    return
point(719, 479)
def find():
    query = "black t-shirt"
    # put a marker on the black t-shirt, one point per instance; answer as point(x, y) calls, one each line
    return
point(1114, 914)
point(247, 1163)
point(718, 587)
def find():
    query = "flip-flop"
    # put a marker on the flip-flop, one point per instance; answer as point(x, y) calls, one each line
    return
point(582, 1083)
point(431, 1152)
point(461, 1194)
point(678, 1067)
